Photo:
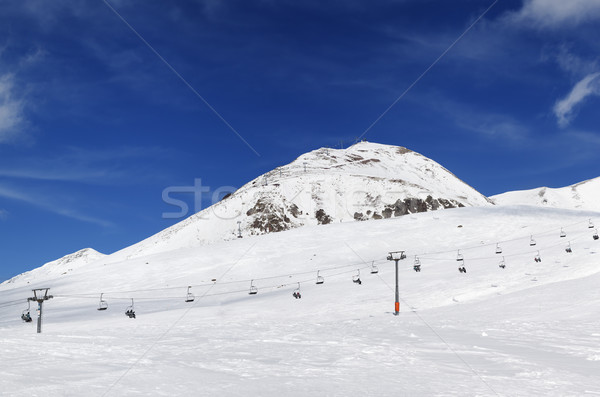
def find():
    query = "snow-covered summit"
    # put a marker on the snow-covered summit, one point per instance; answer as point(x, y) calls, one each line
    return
point(365, 181)
point(580, 196)
point(61, 266)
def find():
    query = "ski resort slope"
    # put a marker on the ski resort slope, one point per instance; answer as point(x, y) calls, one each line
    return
point(530, 329)
point(580, 196)
point(363, 182)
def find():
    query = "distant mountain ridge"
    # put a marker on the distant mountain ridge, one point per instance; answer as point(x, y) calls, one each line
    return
point(60, 266)
point(580, 196)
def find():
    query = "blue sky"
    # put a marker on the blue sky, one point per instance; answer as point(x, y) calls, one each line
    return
point(96, 121)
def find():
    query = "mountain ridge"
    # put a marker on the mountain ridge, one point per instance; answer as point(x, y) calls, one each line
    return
point(579, 196)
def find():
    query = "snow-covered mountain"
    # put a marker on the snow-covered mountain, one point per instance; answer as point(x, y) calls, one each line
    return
point(61, 266)
point(365, 181)
point(580, 196)
point(529, 328)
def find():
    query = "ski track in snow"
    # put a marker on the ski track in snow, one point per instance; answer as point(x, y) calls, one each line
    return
point(489, 332)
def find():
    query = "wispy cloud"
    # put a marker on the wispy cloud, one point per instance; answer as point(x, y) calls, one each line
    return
point(590, 139)
point(552, 14)
point(12, 118)
point(564, 108)
point(496, 126)
point(51, 204)
point(110, 166)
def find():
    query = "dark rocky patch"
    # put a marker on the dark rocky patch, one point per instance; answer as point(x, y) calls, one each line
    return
point(403, 150)
point(268, 218)
point(295, 211)
point(367, 161)
point(413, 205)
point(322, 217)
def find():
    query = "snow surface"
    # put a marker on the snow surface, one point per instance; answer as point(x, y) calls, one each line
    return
point(530, 329)
point(365, 178)
point(581, 196)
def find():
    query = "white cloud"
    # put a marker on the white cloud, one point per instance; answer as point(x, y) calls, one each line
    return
point(11, 110)
point(556, 13)
point(564, 108)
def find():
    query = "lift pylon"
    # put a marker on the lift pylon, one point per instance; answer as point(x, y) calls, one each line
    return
point(40, 295)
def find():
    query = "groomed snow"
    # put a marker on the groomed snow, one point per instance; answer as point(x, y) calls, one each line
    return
point(529, 329)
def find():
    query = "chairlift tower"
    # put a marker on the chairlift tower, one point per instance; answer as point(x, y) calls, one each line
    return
point(396, 256)
point(239, 229)
point(40, 295)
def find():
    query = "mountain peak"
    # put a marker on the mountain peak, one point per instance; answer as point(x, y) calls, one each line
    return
point(362, 182)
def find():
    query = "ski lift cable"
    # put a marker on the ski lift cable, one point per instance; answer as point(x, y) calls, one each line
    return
point(245, 281)
point(515, 254)
point(93, 295)
point(543, 233)
point(426, 256)
point(9, 304)
point(263, 287)
point(268, 287)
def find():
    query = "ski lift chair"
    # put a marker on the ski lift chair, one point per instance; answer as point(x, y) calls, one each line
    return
point(532, 242)
point(356, 278)
point(502, 264)
point(537, 257)
point(568, 250)
point(459, 257)
point(189, 297)
point(595, 236)
point(130, 312)
point(253, 289)
point(296, 294)
point(417, 264)
point(320, 279)
point(590, 224)
point(374, 269)
point(498, 249)
point(25, 315)
point(102, 305)
point(562, 233)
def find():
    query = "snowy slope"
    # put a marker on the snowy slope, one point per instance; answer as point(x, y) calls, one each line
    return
point(59, 267)
point(584, 195)
point(529, 329)
point(365, 181)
